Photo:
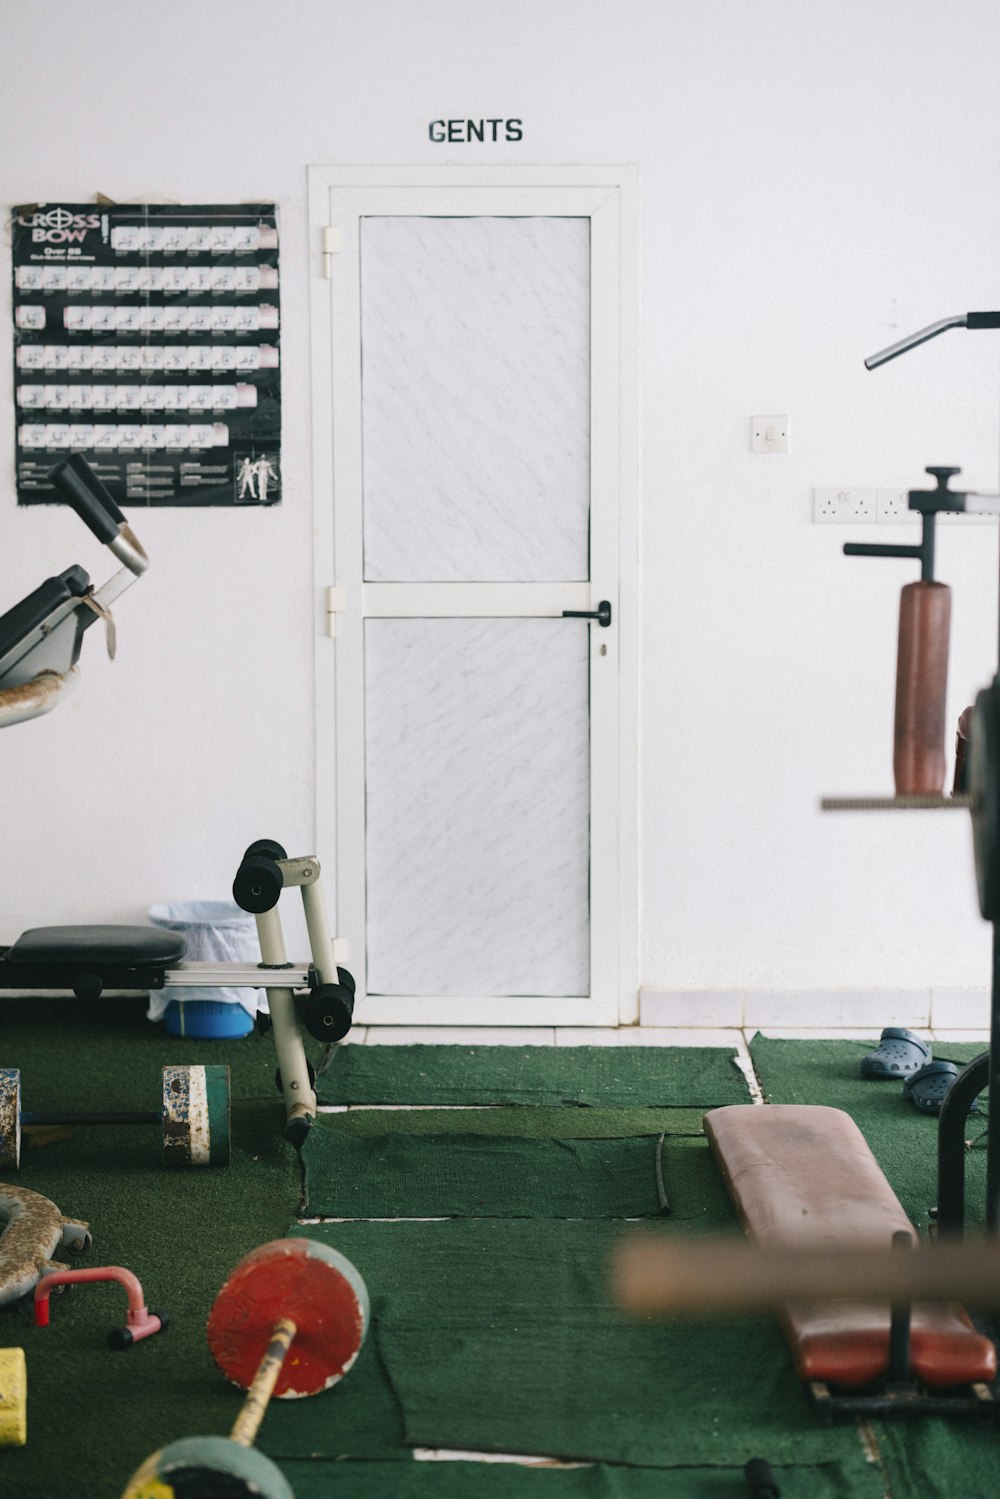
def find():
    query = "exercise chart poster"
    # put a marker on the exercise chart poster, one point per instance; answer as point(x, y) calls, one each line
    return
point(146, 339)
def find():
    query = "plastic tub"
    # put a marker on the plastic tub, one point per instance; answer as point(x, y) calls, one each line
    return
point(215, 932)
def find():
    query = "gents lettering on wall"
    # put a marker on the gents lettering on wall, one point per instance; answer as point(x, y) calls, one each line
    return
point(476, 130)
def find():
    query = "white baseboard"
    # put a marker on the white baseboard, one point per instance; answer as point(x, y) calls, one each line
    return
point(685, 1007)
point(868, 1009)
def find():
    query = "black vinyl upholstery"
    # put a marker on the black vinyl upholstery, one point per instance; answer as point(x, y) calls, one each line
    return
point(135, 946)
point(39, 604)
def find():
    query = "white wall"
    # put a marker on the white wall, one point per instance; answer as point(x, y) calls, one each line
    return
point(816, 180)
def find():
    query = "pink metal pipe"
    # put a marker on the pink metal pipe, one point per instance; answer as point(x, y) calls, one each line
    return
point(140, 1323)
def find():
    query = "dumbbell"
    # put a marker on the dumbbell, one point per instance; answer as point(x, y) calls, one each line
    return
point(193, 1117)
point(289, 1293)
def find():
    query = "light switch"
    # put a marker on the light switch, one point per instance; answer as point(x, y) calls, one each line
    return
point(769, 434)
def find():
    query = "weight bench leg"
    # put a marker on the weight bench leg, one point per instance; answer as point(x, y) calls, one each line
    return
point(983, 1072)
point(993, 1083)
point(300, 1098)
point(951, 1152)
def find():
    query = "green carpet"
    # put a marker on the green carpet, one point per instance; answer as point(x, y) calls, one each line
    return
point(484, 1176)
point(476, 1176)
point(498, 1335)
point(903, 1141)
point(849, 1478)
point(534, 1123)
point(181, 1232)
point(932, 1459)
point(596, 1076)
point(488, 1333)
point(937, 1459)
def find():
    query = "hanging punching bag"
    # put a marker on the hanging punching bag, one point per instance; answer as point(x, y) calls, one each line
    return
point(921, 685)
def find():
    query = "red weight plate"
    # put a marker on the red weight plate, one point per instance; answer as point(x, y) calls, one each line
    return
point(305, 1280)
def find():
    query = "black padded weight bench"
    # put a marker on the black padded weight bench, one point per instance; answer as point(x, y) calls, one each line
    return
point(88, 960)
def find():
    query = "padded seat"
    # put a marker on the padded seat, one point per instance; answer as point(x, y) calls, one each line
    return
point(95, 946)
point(802, 1175)
point(34, 610)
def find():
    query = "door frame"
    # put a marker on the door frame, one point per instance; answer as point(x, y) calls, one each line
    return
point(609, 196)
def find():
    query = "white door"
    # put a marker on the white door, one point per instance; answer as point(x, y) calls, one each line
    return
point(470, 466)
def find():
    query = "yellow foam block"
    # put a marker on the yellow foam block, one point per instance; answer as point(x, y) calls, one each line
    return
point(13, 1398)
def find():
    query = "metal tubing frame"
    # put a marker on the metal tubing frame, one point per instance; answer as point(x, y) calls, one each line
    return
point(320, 941)
point(975, 1402)
point(31, 699)
point(300, 1097)
point(238, 975)
point(958, 320)
point(993, 1083)
point(982, 1072)
point(951, 1146)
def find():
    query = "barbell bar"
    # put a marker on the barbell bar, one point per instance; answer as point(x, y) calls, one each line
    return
point(289, 1321)
point(722, 1276)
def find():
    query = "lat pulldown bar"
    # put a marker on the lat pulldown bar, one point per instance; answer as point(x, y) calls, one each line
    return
point(960, 320)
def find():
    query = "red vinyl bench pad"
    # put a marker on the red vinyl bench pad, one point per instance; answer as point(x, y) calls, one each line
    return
point(803, 1175)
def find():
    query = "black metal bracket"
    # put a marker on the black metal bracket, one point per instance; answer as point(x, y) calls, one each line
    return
point(900, 1392)
point(951, 1151)
point(927, 503)
point(977, 1402)
point(602, 613)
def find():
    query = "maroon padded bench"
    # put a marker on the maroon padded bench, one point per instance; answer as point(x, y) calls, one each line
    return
point(804, 1177)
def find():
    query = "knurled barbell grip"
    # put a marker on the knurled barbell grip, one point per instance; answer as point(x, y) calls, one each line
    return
point(247, 1423)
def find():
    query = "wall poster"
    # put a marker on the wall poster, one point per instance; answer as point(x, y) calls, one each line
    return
point(146, 339)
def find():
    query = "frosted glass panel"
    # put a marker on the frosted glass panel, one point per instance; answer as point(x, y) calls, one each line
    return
point(477, 797)
point(475, 340)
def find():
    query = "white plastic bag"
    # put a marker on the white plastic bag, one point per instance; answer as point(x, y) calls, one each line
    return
point(216, 931)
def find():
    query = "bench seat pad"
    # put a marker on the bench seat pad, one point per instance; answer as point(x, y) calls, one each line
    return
point(131, 946)
point(802, 1175)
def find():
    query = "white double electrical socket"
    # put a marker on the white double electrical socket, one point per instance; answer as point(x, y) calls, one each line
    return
point(893, 505)
point(878, 506)
point(845, 506)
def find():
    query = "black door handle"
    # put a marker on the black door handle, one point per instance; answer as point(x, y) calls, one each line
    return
point(602, 613)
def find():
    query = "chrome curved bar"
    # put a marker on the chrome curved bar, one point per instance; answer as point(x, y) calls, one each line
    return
point(960, 320)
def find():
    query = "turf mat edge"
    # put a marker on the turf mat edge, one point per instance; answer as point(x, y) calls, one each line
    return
point(584, 1076)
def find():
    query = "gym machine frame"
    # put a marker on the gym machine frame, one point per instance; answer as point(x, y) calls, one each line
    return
point(654, 1276)
point(983, 801)
point(325, 1011)
point(40, 643)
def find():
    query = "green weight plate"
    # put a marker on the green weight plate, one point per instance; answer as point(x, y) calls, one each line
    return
point(196, 1467)
point(10, 1118)
point(195, 1116)
point(983, 758)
